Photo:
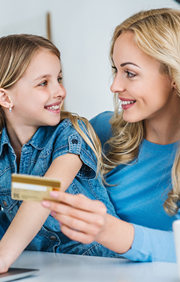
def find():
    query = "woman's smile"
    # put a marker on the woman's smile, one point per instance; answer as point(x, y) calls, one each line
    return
point(145, 93)
point(126, 103)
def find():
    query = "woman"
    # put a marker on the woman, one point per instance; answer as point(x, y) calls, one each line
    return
point(142, 153)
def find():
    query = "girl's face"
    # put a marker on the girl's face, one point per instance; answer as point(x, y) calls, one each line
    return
point(145, 93)
point(39, 94)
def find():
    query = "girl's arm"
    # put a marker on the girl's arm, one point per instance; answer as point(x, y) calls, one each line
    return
point(31, 215)
point(85, 221)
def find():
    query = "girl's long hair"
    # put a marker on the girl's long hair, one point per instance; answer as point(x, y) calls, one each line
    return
point(16, 53)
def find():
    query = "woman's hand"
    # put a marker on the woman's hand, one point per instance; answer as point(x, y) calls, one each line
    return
point(81, 219)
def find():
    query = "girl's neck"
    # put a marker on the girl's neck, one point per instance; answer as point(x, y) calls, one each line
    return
point(19, 135)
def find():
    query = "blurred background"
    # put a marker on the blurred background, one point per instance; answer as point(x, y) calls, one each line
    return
point(82, 30)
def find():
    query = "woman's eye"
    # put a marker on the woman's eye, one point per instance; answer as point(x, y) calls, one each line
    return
point(60, 79)
point(130, 74)
point(44, 83)
point(114, 69)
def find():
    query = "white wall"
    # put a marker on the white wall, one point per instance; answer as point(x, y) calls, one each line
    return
point(82, 30)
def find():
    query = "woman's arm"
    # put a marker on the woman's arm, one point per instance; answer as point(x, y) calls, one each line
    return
point(31, 215)
point(85, 221)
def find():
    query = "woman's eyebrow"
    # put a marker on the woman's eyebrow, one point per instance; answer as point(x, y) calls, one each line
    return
point(129, 63)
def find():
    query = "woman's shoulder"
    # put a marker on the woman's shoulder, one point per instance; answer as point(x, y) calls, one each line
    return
point(102, 118)
point(101, 125)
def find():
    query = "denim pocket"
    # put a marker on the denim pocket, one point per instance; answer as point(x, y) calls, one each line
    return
point(10, 206)
point(45, 240)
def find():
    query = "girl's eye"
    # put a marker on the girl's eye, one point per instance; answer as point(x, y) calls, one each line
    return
point(60, 79)
point(130, 74)
point(44, 83)
point(114, 69)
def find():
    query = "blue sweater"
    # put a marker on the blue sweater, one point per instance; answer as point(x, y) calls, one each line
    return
point(142, 187)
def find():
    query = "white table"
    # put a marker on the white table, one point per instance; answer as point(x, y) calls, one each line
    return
point(64, 267)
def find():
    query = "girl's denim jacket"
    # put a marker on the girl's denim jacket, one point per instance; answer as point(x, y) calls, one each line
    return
point(45, 146)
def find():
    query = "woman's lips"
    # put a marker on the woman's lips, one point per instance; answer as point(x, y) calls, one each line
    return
point(127, 103)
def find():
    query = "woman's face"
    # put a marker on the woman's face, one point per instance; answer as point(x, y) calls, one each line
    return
point(145, 93)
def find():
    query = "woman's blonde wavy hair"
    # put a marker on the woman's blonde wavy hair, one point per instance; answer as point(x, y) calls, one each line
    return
point(157, 33)
point(16, 53)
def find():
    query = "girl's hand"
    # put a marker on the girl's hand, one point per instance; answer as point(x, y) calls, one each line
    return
point(81, 219)
point(3, 265)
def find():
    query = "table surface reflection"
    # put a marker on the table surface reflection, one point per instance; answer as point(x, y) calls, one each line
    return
point(63, 267)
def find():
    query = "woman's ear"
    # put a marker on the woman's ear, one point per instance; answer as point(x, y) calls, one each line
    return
point(174, 85)
point(5, 100)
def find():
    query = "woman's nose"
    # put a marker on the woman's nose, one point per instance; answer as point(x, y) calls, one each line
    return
point(117, 85)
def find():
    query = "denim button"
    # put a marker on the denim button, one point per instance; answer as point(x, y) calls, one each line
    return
point(74, 141)
point(52, 237)
point(4, 203)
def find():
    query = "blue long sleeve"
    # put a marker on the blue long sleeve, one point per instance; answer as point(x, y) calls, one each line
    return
point(140, 190)
point(152, 245)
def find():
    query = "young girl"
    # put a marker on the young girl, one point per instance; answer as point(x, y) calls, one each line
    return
point(34, 141)
point(143, 158)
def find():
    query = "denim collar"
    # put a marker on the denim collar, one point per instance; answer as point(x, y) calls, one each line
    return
point(41, 137)
point(44, 133)
point(38, 140)
point(4, 139)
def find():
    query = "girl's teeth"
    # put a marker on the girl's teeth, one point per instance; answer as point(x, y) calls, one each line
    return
point(127, 102)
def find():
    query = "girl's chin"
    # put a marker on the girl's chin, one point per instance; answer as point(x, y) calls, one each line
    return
point(54, 123)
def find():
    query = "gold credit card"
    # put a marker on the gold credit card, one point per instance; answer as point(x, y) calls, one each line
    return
point(33, 188)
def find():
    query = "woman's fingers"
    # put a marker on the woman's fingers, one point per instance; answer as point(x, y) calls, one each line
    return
point(81, 219)
point(75, 235)
point(78, 202)
point(78, 225)
point(84, 222)
point(59, 209)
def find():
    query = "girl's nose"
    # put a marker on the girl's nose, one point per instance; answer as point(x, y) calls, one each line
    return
point(60, 92)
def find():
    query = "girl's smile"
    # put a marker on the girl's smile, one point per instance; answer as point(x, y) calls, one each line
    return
point(38, 95)
point(55, 108)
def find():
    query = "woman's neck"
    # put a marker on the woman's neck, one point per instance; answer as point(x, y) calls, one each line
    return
point(164, 126)
point(162, 132)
